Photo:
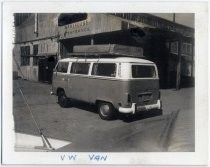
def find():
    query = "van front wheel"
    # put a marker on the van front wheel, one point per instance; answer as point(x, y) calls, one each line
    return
point(62, 99)
point(106, 110)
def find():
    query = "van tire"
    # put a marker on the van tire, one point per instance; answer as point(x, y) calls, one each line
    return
point(160, 112)
point(62, 99)
point(106, 110)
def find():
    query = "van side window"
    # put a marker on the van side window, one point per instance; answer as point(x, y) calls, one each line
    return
point(141, 71)
point(80, 68)
point(104, 69)
point(62, 67)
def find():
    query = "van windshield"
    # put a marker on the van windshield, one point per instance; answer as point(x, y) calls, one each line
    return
point(143, 71)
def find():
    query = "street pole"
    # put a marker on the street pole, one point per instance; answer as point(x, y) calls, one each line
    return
point(174, 17)
point(178, 69)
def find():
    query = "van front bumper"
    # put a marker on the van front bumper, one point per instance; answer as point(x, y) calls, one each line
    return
point(133, 109)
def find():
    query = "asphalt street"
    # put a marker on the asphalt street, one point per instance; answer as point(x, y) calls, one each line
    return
point(82, 127)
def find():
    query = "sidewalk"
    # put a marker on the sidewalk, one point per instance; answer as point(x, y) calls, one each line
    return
point(182, 137)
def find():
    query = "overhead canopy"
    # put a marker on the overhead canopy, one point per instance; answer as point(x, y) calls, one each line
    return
point(69, 18)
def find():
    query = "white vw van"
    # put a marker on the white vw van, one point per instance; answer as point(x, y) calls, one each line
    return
point(113, 82)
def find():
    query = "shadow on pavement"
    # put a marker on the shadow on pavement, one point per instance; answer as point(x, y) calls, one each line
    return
point(82, 105)
point(140, 116)
point(124, 117)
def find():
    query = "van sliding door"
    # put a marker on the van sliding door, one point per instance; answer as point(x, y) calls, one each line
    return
point(78, 81)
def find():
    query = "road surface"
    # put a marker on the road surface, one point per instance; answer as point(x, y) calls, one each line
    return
point(82, 127)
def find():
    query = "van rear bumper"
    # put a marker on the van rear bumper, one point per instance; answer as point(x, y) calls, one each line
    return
point(133, 109)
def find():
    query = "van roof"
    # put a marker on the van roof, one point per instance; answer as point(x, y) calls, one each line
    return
point(113, 60)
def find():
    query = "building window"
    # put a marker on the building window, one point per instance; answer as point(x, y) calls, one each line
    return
point(174, 47)
point(35, 50)
point(25, 61)
point(35, 60)
point(35, 53)
point(19, 18)
point(25, 55)
point(187, 49)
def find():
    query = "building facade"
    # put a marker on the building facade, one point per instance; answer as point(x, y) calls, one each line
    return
point(35, 40)
point(42, 39)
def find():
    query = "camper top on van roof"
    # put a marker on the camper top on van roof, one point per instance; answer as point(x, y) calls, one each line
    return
point(106, 50)
point(113, 60)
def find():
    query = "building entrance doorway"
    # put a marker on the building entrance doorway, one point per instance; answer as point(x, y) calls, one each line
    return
point(46, 66)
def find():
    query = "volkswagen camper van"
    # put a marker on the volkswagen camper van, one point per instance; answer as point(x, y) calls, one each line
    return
point(115, 81)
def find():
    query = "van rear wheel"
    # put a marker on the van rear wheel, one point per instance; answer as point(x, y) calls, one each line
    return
point(106, 111)
point(62, 99)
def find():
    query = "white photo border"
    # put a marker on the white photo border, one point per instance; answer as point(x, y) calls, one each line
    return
point(199, 157)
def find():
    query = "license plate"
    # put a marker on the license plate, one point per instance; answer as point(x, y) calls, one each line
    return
point(145, 97)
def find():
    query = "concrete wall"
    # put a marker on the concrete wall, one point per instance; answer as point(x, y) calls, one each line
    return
point(25, 36)
point(94, 24)
point(186, 19)
point(29, 72)
point(47, 26)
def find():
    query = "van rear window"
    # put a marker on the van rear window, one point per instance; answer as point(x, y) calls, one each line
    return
point(80, 68)
point(104, 69)
point(142, 71)
point(62, 67)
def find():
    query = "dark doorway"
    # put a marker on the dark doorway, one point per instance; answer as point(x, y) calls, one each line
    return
point(46, 66)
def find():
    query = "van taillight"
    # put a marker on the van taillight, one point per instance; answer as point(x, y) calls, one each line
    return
point(129, 98)
point(119, 70)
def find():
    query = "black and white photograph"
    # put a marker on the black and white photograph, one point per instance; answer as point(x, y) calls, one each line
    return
point(95, 83)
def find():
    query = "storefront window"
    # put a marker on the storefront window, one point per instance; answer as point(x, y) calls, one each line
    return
point(24, 55)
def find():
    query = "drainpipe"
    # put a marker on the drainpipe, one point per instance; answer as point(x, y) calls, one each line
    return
point(36, 24)
point(59, 50)
point(178, 69)
point(192, 60)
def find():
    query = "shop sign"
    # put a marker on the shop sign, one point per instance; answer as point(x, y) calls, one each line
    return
point(75, 29)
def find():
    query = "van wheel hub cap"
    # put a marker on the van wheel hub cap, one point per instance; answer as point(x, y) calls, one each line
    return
point(105, 110)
